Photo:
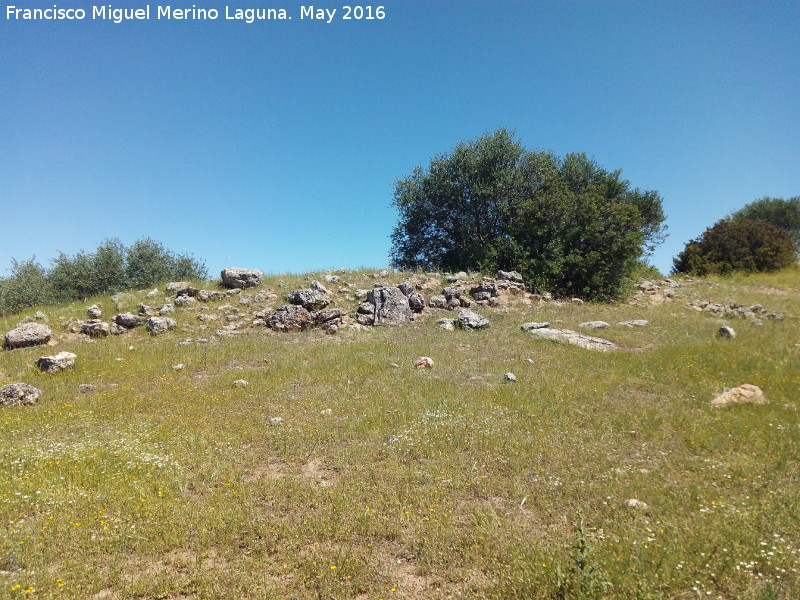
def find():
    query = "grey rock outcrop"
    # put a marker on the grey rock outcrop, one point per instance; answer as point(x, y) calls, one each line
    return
point(310, 299)
point(28, 334)
point(471, 321)
point(159, 325)
point(406, 288)
point(185, 301)
point(533, 325)
point(290, 317)
point(241, 278)
point(129, 320)
point(391, 306)
point(94, 312)
point(486, 290)
point(95, 328)
point(416, 302)
point(594, 325)
point(174, 287)
point(634, 323)
point(567, 336)
point(437, 301)
point(14, 394)
point(56, 363)
point(209, 295)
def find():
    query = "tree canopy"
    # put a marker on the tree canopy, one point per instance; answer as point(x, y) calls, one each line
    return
point(567, 224)
point(783, 214)
point(737, 245)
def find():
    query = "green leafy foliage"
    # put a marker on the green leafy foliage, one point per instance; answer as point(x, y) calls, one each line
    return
point(110, 268)
point(783, 214)
point(567, 225)
point(737, 245)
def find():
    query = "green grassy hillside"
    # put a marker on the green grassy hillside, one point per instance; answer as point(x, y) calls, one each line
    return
point(387, 481)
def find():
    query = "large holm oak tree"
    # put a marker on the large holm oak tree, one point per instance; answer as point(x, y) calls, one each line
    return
point(567, 224)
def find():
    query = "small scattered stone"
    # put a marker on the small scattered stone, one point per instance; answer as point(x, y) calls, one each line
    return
point(594, 325)
point(240, 383)
point(423, 362)
point(152, 293)
point(529, 361)
point(394, 365)
point(726, 332)
point(447, 324)
point(636, 504)
point(178, 367)
point(326, 412)
point(634, 323)
point(510, 377)
point(87, 388)
point(276, 421)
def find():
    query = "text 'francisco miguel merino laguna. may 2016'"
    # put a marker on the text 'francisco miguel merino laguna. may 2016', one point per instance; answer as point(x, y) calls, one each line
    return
point(108, 12)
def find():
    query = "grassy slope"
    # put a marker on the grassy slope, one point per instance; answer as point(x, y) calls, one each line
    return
point(419, 484)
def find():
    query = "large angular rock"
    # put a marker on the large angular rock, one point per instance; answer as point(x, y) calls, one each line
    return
point(159, 325)
point(14, 394)
point(391, 306)
point(416, 302)
point(567, 336)
point(290, 317)
point(54, 364)
point(310, 299)
point(94, 312)
point(174, 287)
point(28, 334)
point(486, 290)
point(241, 278)
point(129, 320)
point(509, 276)
point(95, 328)
point(471, 321)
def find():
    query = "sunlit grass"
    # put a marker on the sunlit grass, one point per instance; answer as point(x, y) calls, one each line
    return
point(391, 482)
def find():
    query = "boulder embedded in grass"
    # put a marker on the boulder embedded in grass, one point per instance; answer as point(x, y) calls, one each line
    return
point(15, 394)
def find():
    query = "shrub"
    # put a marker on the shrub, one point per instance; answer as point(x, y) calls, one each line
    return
point(110, 268)
point(783, 214)
point(567, 225)
point(741, 245)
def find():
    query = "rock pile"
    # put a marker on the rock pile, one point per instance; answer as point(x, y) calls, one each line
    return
point(736, 310)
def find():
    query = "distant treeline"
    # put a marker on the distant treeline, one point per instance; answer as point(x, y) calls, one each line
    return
point(110, 268)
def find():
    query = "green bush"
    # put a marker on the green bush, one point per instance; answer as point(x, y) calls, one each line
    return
point(741, 245)
point(783, 214)
point(27, 286)
point(568, 225)
point(110, 268)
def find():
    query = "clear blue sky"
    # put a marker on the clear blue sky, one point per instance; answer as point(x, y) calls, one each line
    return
point(276, 144)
